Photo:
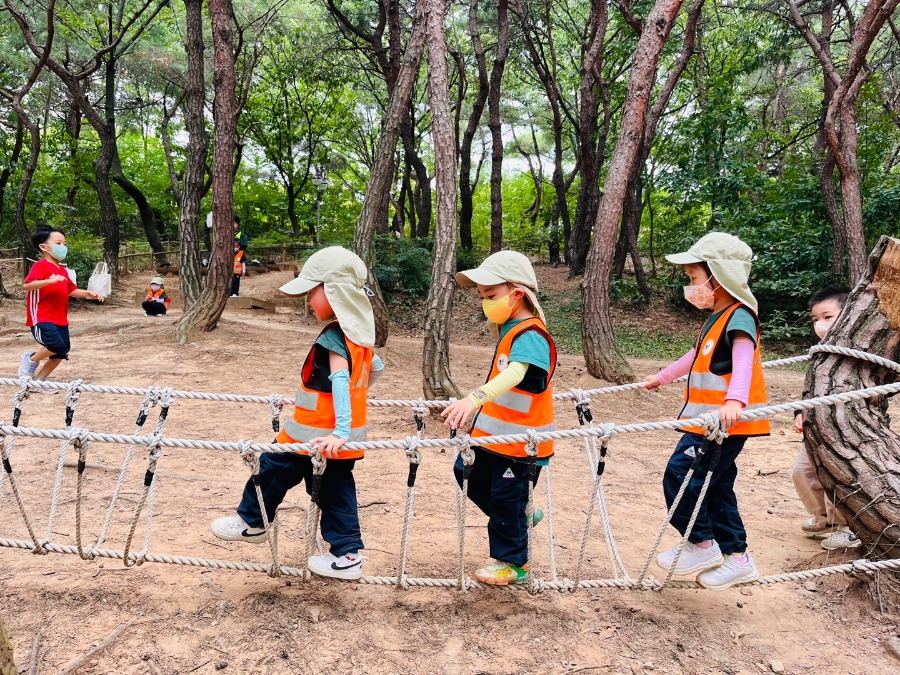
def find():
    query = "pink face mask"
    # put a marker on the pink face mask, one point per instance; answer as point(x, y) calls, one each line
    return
point(701, 297)
point(822, 328)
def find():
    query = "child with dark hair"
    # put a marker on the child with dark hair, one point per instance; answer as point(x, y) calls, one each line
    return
point(825, 306)
point(49, 288)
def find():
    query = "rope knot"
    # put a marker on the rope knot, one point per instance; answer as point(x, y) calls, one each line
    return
point(80, 441)
point(166, 397)
point(712, 423)
point(73, 392)
point(413, 454)
point(531, 444)
point(20, 396)
point(607, 430)
point(247, 455)
point(277, 403)
point(465, 450)
point(318, 461)
point(419, 416)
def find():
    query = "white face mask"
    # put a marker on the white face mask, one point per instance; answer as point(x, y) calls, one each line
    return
point(822, 327)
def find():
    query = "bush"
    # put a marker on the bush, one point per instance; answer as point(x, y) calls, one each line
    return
point(403, 266)
point(85, 251)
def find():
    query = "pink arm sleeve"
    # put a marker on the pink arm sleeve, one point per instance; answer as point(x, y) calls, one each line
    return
point(678, 369)
point(741, 370)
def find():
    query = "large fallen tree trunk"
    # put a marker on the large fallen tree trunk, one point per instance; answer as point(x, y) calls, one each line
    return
point(857, 456)
point(7, 663)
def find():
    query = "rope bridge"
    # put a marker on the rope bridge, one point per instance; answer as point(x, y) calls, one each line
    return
point(595, 438)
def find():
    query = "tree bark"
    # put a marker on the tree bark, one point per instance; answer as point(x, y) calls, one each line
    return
point(193, 187)
point(857, 455)
point(207, 311)
point(496, 81)
point(7, 171)
point(375, 203)
point(466, 189)
point(601, 353)
point(7, 660)
point(577, 241)
point(436, 382)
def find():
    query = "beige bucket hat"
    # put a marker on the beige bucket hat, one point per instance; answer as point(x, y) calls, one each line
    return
point(343, 274)
point(505, 267)
point(729, 260)
point(158, 281)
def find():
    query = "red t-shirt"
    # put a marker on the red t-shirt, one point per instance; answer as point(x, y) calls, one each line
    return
point(49, 304)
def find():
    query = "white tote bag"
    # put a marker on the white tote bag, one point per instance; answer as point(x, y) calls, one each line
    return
point(101, 280)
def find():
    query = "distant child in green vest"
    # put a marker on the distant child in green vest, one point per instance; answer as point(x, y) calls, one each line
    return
point(724, 376)
point(516, 397)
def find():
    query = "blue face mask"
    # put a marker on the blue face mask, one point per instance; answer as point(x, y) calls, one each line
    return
point(59, 251)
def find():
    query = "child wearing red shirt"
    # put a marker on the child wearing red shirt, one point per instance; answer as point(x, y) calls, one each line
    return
point(49, 288)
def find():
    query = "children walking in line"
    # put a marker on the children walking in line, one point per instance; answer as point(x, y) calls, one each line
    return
point(240, 269)
point(725, 376)
point(157, 301)
point(329, 411)
point(824, 306)
point(517, 396)
point(49, 288)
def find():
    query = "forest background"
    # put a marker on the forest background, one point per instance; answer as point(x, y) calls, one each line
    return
point(590, 134)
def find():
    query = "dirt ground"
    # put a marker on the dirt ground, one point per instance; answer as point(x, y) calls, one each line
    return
point(184, 620)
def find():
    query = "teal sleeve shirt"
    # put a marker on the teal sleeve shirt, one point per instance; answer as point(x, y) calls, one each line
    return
point(530, 347)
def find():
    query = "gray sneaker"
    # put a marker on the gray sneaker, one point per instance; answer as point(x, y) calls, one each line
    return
point(841, 539)
point(27, 367)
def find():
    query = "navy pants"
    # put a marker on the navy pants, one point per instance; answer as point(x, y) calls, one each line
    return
point(718, 517)
point(235, 284)
point(498, 485)
point(279, 472)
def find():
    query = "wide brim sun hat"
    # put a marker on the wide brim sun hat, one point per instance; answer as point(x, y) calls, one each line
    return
point(157, 280)
point(729, 261)
point(343, 276)
point(505, 267)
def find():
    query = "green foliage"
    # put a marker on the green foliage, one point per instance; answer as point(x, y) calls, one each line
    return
point(85, 251)
point(403, 266)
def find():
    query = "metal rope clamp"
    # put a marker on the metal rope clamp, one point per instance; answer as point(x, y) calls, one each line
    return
point(73, 392)
point(607, 430)
point(414, 455)
point(277, 403)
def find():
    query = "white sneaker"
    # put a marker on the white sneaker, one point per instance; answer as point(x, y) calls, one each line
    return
point(347, 566)
point(841, 539)
point(233, 528)
point(728, 574)
point(43, 390)
point(693, 558)
point(27, 367)
point(233, 295)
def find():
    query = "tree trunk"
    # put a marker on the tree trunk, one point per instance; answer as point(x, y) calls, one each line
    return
point(193, 186)
point(34, 134)
point(207, 311)
point(148, 218)
point(436, 382)
point(466, 189)
point(856, 453)
point(496, 81)
point(6, 173)
point(292, 210)
point(375, 203)
point(577, 242)
point(851, 195)
point(73, 125)
point(7, 662)
point(601, 353)
point(423, 180)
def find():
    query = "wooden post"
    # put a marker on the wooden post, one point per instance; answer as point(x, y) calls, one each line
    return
point(857, 455)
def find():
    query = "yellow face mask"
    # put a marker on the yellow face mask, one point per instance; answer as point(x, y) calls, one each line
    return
point(497, 310)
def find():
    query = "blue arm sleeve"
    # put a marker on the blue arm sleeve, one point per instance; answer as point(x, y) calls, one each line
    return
point(340, 392)
point(377, 370)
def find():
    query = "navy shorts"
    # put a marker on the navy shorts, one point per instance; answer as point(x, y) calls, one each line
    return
point(53, 337)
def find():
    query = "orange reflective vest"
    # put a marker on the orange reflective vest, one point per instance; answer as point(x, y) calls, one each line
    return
point(705, 391)
point(314, 404)
point(151, 295)
point(518, 410)
point(239, 262)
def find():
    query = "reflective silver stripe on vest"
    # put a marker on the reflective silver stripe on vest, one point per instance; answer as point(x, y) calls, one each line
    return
point(303, 433)
point(518, 402)
point(696, 409)
point(494, 427)
point(707, 381)
point(308, 400)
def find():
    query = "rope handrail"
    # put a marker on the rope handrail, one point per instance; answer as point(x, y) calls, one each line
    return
point(540, 437)
point(373, 402)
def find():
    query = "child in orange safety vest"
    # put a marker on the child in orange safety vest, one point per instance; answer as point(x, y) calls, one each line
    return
point(516, 397)
point(157, 302)
point(240, 269)
point(725, 376)
point(329, 411)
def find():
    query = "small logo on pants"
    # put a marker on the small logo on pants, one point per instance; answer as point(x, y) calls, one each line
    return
point(509, 474)
point(691, 452)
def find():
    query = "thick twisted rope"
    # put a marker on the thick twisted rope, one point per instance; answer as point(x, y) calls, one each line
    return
point(531, 452)
point(597, 460)
point(462, 494)
point(151, 398)
point(415, 459)
point(551, 543)
point(154, 451)
point(19, 399)
point(271, 528)
point(375, 403)
point(72, 395)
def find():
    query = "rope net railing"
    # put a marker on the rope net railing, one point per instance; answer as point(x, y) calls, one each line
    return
point(594, 438)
